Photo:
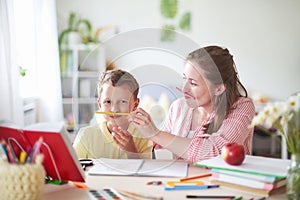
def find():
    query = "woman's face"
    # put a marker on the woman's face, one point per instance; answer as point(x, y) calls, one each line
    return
point(197, 87)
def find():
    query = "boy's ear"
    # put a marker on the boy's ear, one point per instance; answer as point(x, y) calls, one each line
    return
point(99, 104)
point(136, 103)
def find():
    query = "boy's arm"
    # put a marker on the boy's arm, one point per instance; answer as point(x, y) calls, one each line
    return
point(126, 142)
point(79, 147)
point(144, 147)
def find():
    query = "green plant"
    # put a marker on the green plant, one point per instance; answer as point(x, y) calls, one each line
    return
point(76, 24)
point(169, 10)
point(284, 117)
point(185, 22)
point(22, 71)
point(168, 33)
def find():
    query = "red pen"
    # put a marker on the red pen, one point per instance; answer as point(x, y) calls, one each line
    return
point(195, 177)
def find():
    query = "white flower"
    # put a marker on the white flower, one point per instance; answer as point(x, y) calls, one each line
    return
point(285, 119)
point(294, 102)
point(258, 119)
point(284, 116)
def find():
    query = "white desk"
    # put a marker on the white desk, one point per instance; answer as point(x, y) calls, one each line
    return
point(138, 185)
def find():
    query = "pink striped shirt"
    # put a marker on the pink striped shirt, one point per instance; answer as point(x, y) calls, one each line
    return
point(235, 128)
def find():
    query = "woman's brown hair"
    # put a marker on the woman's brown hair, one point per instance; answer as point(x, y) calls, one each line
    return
point(218, 68)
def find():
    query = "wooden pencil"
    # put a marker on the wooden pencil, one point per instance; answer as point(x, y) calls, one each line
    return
point(112, 113)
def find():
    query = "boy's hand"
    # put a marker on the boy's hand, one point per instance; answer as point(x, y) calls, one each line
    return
point(143, 121)
point(124, 140)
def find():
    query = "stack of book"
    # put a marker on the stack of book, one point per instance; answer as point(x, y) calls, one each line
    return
point(257, 175)
point(258, 184)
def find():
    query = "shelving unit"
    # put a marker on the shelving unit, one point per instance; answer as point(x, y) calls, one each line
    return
point(81, 66)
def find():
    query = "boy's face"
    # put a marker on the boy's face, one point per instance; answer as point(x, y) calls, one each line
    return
point(117, 99)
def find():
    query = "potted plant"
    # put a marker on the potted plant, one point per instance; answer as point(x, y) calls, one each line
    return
point(284, 117)
point(78, 30)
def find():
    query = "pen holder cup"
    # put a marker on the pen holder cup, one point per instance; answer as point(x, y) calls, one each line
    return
point(21, 181)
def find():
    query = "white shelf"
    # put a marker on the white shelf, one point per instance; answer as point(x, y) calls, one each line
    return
point(86, 100)
point(80, 47)
point(87, 74)
point(83, 64)
point(67, 100)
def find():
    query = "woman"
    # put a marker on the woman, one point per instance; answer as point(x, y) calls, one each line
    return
point(215, 109)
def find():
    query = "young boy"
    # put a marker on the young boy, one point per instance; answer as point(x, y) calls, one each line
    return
point(114, 136)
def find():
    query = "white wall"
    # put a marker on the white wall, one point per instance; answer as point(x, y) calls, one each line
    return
point(263, 36)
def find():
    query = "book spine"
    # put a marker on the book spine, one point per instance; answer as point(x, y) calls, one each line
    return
point(256, 191)
point(269, 179)
point(242, 181)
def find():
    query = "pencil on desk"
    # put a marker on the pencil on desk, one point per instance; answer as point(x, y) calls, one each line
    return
point(137, 196)
point(175, 183)
point(112, 113)
point(195, 177)
point(209, 197)
point(191, 187)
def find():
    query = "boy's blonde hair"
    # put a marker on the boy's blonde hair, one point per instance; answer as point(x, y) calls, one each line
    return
point(118, 77)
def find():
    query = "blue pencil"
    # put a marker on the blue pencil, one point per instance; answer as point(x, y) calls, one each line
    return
point(191, 187)
point(3, 148)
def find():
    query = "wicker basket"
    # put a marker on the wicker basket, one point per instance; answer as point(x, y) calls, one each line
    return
point(21, 181)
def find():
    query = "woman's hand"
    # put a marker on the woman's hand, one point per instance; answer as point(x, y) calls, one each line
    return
point(124, 139)
point(143, 121)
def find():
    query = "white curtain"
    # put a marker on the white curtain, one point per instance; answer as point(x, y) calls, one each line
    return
point(10, 101)
point(48, 86)
point(47, 58)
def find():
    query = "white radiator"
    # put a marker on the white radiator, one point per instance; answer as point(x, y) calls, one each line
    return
point(30, 111)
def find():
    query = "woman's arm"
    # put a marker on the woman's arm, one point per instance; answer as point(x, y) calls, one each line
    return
point(235, 128)
point(143, 121)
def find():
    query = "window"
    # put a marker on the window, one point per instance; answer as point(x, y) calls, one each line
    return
point(25, 43)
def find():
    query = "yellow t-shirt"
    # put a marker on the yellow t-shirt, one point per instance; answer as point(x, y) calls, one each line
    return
point(96, 142)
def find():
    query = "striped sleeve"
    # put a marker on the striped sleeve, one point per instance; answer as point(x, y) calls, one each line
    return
point(235, 128)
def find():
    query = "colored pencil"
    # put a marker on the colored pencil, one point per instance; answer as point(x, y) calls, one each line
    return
point(37, 149)
point(23, 155)
point(185, 93)
point(191, 187)
point(10, 156)
point(133, 195)
point(175, 183)
point(195, 177)
point(112, 113)
point(209, 197)
point(3, 148)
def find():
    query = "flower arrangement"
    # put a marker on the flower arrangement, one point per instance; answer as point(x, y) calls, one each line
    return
point(284, 117)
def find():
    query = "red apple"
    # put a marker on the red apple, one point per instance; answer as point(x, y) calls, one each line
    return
point(233, 153)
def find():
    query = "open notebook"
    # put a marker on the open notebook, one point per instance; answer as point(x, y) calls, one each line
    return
point(139, 167)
